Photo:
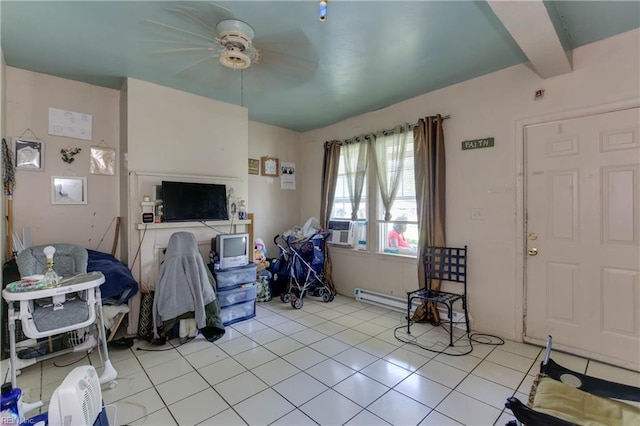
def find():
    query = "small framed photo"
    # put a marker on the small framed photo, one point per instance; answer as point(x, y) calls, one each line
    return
point(254, 166)
point(270, 166)
point(29, 154)
point(68, 190)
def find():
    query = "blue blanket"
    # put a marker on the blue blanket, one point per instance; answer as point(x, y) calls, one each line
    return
point(119, 285)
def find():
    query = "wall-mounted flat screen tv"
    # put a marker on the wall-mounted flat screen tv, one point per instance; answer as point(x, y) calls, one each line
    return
point(192, 202)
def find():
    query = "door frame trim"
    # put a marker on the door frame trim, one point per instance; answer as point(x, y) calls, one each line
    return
point(520, 127)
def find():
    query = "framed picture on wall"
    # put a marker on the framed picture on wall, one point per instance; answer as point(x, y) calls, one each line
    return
point(29, 154)
point(270, 166)
point(254, 166)
point(68, 190)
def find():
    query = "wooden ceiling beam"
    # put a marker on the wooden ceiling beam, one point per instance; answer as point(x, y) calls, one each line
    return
point(531, 26)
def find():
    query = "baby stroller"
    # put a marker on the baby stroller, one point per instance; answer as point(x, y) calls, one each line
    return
point(304, 259)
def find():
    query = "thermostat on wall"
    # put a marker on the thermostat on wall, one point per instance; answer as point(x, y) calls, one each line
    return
point(147, 218)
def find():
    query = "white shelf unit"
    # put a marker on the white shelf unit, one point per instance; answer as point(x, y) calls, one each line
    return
point(178, 225)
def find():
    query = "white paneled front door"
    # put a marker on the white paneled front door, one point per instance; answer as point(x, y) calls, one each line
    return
point(582, 238)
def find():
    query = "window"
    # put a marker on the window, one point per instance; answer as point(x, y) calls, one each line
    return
point(342, 206)
point(398, 232)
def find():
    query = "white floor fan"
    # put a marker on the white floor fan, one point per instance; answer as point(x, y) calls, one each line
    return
point(211, 37)
point(76, 402)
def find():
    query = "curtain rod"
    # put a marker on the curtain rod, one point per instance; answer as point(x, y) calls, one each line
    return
point(411, 126)
point(444, 117)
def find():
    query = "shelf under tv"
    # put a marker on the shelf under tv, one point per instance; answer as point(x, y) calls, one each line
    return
point(176, 225)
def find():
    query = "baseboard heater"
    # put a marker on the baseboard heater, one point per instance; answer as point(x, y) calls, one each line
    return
point(399, 304)
point(384, 300)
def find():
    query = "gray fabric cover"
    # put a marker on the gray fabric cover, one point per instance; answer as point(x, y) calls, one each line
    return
point(68, 260)
point(73, 312)
point(183, 284)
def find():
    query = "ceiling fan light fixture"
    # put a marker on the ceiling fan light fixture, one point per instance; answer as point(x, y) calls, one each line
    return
point(235, 59)
point(234, 31)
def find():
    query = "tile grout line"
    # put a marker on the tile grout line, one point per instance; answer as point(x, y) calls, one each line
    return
point(297, 317)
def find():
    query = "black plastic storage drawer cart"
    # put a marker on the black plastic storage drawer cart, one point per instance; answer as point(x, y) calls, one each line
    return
point(236, 288)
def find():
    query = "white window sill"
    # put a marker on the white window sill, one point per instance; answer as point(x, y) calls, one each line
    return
point(350, 251)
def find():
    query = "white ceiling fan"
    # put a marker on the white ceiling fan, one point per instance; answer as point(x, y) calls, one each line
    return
point(221, 42)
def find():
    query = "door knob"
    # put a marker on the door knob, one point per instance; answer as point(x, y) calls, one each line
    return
point(533, 251)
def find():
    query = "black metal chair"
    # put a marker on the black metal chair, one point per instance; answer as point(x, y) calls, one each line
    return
point(444, 264)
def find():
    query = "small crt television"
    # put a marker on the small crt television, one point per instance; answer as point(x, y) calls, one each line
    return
point(232, 250)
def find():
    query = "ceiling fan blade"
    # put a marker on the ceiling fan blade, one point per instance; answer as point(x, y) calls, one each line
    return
point(264, 79)
point(294, 38)
point(220, 12)
point(289, 53)
point(177, 30)
point(304, 68)
point(194, 64)
point(214, 76)
point(178, 43)
point(182, 50)
point(190, 13)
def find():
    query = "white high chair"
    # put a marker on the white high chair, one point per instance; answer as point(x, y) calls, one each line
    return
point(58, 315)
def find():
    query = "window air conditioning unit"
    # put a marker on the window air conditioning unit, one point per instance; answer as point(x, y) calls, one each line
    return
point(341, 232)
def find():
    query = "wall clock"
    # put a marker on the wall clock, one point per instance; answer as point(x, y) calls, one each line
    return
point(270, 166)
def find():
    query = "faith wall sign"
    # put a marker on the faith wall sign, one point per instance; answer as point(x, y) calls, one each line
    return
point(477, 143)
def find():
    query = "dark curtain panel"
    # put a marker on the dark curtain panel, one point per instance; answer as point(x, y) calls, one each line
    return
point(428, 140)
point(329, 181)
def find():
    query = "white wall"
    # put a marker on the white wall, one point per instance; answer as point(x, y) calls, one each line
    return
point(28, 98)
point(605, 72)
point(275, 209)
point(177, 132)
point(172, 132)
point(3, 124)
point(184, 137)
point(162, 130)
point(124, 178)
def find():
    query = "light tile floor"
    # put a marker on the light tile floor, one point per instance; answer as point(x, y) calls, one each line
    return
point(335, 363)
